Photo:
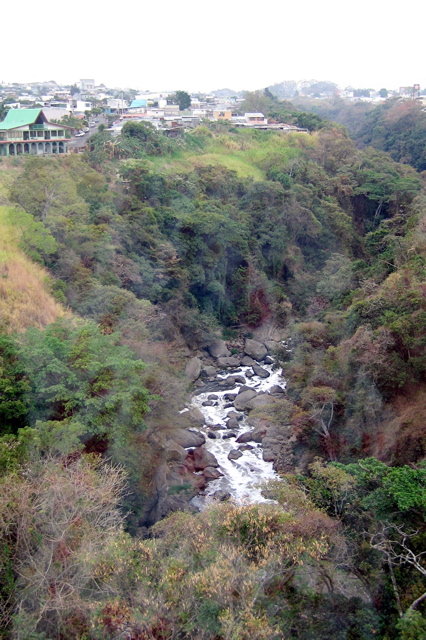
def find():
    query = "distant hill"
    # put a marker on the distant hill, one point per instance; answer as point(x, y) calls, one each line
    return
point(284, 90)
point(227, 93)
point(289, 88)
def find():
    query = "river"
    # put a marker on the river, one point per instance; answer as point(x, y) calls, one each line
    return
point(241, 478)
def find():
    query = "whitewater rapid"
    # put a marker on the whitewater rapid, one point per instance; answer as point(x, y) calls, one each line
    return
point(241, 478)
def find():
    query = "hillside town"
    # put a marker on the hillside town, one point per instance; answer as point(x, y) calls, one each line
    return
point(49, 118)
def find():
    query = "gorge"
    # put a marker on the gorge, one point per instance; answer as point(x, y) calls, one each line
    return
point(149, 289)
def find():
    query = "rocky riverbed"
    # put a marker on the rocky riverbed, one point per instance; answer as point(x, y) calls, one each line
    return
point(230, 448)
point(243, 461)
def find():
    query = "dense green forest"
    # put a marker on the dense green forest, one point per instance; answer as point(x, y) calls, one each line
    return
point(118, 265)
point(397, 126)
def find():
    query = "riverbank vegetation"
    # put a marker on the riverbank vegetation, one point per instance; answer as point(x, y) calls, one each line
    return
point(115, 267)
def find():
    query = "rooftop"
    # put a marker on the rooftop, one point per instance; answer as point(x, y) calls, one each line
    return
point(19, 118)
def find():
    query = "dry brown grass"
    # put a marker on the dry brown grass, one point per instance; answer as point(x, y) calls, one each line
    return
point(24, 298)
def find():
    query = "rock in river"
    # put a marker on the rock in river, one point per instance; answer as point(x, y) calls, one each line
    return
point(228, 362)
point(221, 495)
point(276, 390)
point(187, 438)
point(255, 349)
point(218, 349)
point(211, 473)
point(174, 452)
point(232, 423)
point(193, 369)
point(209, 371)
point(240, 402)
point(196, 416)
point(255, 435)
point(203, 458)
point(260, 371)
point(234, 454)
point(260, 401)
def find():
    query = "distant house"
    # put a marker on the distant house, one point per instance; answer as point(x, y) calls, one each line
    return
point(28, 132)
point(138, 104)
point(255, 118)
point(222, 114)
point(82, 105)
point(87, 84)
point(115, 105)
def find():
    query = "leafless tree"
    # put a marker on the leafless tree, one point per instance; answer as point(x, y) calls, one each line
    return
point(394, 543)
point(57, 519)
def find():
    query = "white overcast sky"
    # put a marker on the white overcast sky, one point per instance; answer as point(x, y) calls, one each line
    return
point(194, 45)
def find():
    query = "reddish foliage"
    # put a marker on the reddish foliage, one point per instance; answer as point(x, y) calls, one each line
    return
point(312, 525)
point(258, 308)
point(115, 617)
point(97, 444)
point(71, 458)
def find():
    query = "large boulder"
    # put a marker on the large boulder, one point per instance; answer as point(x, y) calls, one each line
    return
point(209, 371)
point(276, 390)
point(221, 495)
point(229, 361)
point(232, 423)
point(260, 371)
point(193, 369)
point(255, 349)
point(255, 435)
point(234, 454)
point(218, 349)
point(269, 455)
point(240, 402)
point(211, 473)
point(196, 416)
point(278, 444)
point(203, 458)
point(174, 452)
point(247, 361)
point(173, 487)
point(186, 438)
point(261, 400)
point(272, 345)
point(234, 414)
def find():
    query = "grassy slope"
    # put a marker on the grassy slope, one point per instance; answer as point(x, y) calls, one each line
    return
point(244, 152)
point(24, 297)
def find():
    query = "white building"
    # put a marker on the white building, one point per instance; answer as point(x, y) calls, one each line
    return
point(82, 106)
point(87, 85)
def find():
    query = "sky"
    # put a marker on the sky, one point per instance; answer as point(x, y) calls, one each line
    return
point(202, 46)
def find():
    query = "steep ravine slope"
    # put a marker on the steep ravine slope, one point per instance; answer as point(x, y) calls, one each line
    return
point(25, 299)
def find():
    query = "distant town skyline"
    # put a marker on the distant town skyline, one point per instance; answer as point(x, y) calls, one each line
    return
point(211, 89)
point(236, 45)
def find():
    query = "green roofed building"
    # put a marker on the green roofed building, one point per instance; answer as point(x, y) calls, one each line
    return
point(28, 132)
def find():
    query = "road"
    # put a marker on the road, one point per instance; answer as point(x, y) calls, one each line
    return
point(77, 143)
